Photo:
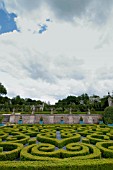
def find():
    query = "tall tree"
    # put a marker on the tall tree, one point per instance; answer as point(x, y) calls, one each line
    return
point(3, 90)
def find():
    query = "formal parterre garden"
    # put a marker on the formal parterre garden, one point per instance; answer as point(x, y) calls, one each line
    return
point(56, 146)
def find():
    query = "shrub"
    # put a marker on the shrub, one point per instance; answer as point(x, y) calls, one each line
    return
point(26, 155)
point(13, 150)
point(47, 165)
point(75, 150)
point(108, 115)
point(31, 141)
point(56, 142)
point(45, 150)
point(85, 140)
point(18, 138)
point(110, 136)
point(94, 138)
point(104, 147)
point(3, 135)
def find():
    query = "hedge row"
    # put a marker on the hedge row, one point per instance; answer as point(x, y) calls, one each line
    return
point(85, 140)
point(48, 129)
point(105, 164)
point(67, 133)
point(94, 138)
point(26, 155)
point(75, 151)
point(45, 150)
point(32, 141)
point(3, 135)
point(70, 152)
point(12, 151)
point(94, 153)
point(103, 129)
point(110, 135)
point(18, 139)
point(56, 142)
point(105, 148)
point(49, 134)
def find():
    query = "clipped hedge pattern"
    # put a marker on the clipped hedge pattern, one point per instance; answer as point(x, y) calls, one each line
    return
point(106, 148)
point(12, 151)
point(75, 150)
point(56, 143)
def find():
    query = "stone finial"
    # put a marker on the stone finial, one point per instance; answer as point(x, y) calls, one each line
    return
point(33, 109)
point(89, 112)
point(110, 101)
point(51, 110)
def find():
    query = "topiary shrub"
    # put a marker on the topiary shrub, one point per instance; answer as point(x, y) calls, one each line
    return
point(108, 115)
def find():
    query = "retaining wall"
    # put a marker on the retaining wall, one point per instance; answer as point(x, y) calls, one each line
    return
point(55, 118)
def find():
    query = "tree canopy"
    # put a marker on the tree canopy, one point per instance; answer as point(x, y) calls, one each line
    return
point(3, 90)
point(76, 103)
point(108, 115)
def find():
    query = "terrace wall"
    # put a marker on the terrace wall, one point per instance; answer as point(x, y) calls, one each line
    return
point(54, 118)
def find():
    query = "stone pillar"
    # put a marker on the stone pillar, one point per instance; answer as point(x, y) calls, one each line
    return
point(70, 110)
point(32, 119)
point(110, 102)
point(33, 109)
point(89, 112)
point(51, 110)
point(51, 119)
point(12, 118)
point(90, 120)
point(13, 111)
point(70, 120)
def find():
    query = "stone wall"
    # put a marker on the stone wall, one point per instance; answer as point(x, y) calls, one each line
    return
point(6, 118)
point(55, 118)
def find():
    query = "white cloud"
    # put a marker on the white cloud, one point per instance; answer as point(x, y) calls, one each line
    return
point(94, 10)
point(67, 59)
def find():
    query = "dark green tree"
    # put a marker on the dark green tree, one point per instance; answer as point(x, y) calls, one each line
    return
point(108, 115)
point(17, 100)
point(104, 102)
point(3, 90)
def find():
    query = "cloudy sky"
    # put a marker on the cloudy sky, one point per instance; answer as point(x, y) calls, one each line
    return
point(50, 49)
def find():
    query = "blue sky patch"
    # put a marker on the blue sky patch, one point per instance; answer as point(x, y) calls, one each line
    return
point(43, 28)
point(7, 23)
